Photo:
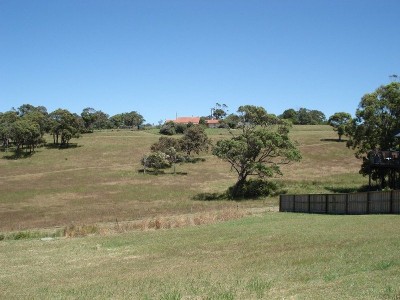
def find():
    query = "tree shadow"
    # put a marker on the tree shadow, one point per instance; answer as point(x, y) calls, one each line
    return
point(160, 172)
point(334, 140)
point(18, 155)
point(347, 190)
point(62, 147)
point(210, 196)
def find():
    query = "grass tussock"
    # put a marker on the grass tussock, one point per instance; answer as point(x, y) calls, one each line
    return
point(174, 221)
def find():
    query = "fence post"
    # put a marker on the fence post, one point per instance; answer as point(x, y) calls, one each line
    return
point(309, 204)
point(368, 199)
point(347, 204)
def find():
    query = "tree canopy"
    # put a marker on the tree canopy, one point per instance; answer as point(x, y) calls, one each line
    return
point(340, 121)
point(261, 146)
point(304, 116)
point(375, 127)
point(377, 120)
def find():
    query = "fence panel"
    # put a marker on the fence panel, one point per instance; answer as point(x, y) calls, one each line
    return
point(354, 203)
point(337, 203)
point(301, 203)
point(357, 204)
point(395, 202)
point(318, 204)
point(286, 203)
point(379, 202)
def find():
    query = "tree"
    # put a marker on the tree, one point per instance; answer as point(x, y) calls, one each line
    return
point(231, 121)
point(25, 132)
point(262, 145)
point(89, 117)
point(340, 121)
point(194, 140)
point(117, 120)
point(310, 117)
point(165, 143)
point(133, 119)
point(219, 111)
point(304, 116)
point(377, 120)
point(156, 161)
point(168, 128)
point(289, 114)
point(6, 121)
point(64, 126)
point(102, 121)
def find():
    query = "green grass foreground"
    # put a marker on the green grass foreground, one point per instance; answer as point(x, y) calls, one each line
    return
point(273, 256)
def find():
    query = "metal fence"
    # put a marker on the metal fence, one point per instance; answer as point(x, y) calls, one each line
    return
point(387, 202)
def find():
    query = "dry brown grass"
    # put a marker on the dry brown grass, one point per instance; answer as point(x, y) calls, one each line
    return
point(98, 181)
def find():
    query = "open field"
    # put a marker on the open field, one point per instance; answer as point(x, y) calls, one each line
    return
point(95, 190)
point(273, 256)
point(98, 181)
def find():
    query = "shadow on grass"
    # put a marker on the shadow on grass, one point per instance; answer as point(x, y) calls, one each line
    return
point(346, 190)
point(210, 196)
point(18, 155)
point(333, 140)
point(160, 172)
point(62, 147)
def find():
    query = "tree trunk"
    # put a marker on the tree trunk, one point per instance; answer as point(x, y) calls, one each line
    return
point(237, 188)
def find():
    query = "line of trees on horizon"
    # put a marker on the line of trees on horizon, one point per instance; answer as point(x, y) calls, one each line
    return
point(25, 127)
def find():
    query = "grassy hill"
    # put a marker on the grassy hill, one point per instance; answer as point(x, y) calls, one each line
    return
point(96, 188)
point(99, 180)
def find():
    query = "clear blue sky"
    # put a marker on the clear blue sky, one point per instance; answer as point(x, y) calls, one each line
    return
point(162, 57)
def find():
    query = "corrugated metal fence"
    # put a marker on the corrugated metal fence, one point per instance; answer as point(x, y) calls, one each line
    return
point(387, 202)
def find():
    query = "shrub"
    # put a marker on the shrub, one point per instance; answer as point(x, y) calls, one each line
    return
point(168, 129)
point(157, 160)
point(180, 128)
point(256, 188)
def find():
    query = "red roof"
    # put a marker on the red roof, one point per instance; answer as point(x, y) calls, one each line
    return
point(186, 120)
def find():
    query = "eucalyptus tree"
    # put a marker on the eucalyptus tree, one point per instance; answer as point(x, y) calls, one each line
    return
point(260, 147)
point(376, 126)
point(6, 121)
point(194, 140)
point(340, 121)
point(64, 126)
point(377, 120)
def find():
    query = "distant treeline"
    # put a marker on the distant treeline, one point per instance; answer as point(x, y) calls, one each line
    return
point(25, 126)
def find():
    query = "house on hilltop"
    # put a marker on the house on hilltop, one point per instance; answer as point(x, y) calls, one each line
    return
point(194, 120)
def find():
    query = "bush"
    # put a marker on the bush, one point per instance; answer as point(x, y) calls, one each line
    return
point(156, 161)
point(180, 128)
point(256, 188)
point(168, 129)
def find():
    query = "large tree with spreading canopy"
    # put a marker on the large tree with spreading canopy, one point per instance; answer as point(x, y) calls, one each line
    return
point(260, 147)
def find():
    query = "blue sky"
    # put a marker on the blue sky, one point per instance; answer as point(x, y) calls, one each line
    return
point(163, 58)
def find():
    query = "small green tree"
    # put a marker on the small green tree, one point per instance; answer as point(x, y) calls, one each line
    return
point(168, 128)
point(64, 126)
point(219, 111)
point(340, 121)
point(155, 161)
point(262, 145)
point(194, 140)
point(165, 143)
point(231, 121)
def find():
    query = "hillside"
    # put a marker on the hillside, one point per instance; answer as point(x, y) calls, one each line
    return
point(99, 180)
